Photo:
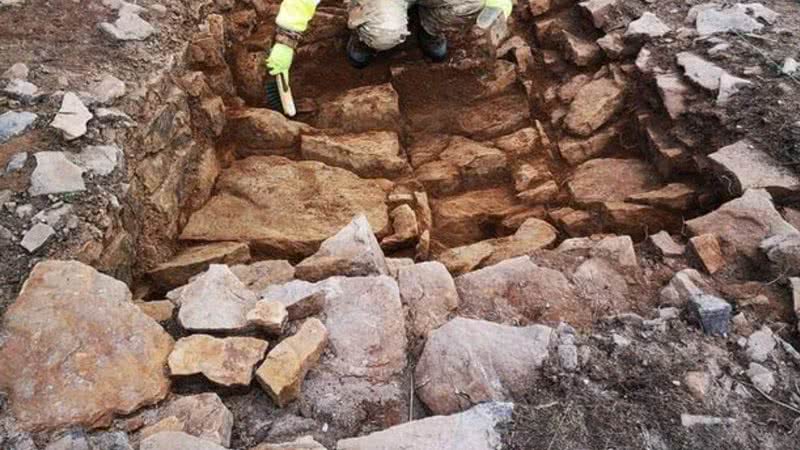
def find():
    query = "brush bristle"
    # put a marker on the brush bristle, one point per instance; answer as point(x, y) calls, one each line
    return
point(274, 96)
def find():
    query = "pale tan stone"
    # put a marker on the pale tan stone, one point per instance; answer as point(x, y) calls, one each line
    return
point(228, 361)
point(194, 260)
point(707, 249)
point(159, 310)
point(170, 423)
point(268, 315)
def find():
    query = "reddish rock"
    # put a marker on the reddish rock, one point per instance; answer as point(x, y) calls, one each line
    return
point(428, 291)
point(608, 180)
point(676, 196)
point(193, 260)
point(594, 104)
point(362, 109)
point(228, 361)
point(460, 219)
point(257, 131)
point(374, 154)
point(576, 151)
point(706, 248)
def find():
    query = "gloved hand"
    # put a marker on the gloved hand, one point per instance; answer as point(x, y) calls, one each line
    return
point(503, 5)
point(280, 59)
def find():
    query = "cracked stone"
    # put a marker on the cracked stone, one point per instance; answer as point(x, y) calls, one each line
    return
point(22, 90)
point(100, 159)
point(36, 237)
point(55, 174)
point(648, 26)
point(108, 89)
point(215, 301)
point(72, 117)
point(227, 362)
point(128, 27)
point(13, 123)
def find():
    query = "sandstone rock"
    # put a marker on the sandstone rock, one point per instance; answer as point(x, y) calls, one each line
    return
point(744, 222)
point(518, 291)
point(760, 344)
point(70, 441)
point(540, 195)
point(55, 174)
point(302, 443)
point(639, 220)
point(614, 46)
point(194, 260)
point(17, 71)
point(268, 315)
point(362, 109)
point(751, 168)
point(509, 113)
point(646, 27)
point(594, 105)
point(706, 248)
point(366, 322)
point(13, 123)
point(532, 235)
point(128, 26)
point(618, 249)
point(176, 440)
point(712, 18)
point(282, 373)
point(100, 159)
point(36, 237)
point(574, 222)
point(428, 291)
point(170, 423)
point(228, 362)
point(698, 383)
point(159, 310)
point(484, 360)
point(107, 89)
point(459, 219)
point(676, 196)
point(582, 52)
point(459, 260)
point(22, 90)
point(353, 251)
point(600, 12)
point(285, 208)
point(665, 245)
point(783, 251)
point(761, 377)
point(87, 323)
point(215, 301)
point(521, 142)
point(528, 175)
point(72, 117)
point(258, 275)
point(576, 151)
point(405, 227)
point(264, 132)
point(203, 416)
point(478, 428)
point(673, 92)
point(371, 155)
point(301, 298)
point(610, 179)
point(682, 286)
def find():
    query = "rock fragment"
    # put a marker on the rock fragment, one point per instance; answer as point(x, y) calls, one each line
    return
point(177, 440)
point(611, 179)
point(228, 361)
point(646, 27)
point(783, 251)
point(37, 236)
point(761, 377)
point(751, 168)
point(261, 274)
point(72, 117)
point(193, 260)
point(301, 443)
point(372, 155)
point(595, 103)
point(76, 313)
point(215, 301)
point(106, 90)
point(429, 292)
point(203, 416)
point(760, 344)
point(353, 251)
point(18, 71)
point(13, 123)
point(268, 315)
point(484, 360)
point(128, 26)
point(706, 248)
point(712, 313)
point(362, 109)
point(711, 18)
point(478, 428)
point(282, 373)
point(100, 159)
point(22, 90)
point(665, 245)
point(159, 310)
point(55, 174)
point(691, 420)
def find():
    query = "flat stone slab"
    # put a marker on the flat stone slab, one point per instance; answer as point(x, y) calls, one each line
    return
point(177, 440)
point(594, 104)
point(611, 179)
point(750, 167)
point(215, 301)
point(484, 360)
point(55, 174)
point(228, 362)
point(193, 260)
point(712, 18)
point(77, 350)
point(374, 154)
point(203, 416)
point(286, 208)
point(72, 117)
point(13, 123)
point(478, 428)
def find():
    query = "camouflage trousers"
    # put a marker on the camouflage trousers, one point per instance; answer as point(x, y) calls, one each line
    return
point(383, 24)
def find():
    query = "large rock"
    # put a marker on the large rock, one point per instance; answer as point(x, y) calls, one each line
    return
point(519, 291)
point(532, 235)
point(461, 163)
point(301, 298)
point(177, 440)
point(228, 361)
point(508, 113)
point(595, 103)
point(203, 416)
point(428, 291)
point(285, 208)
point(713, 18)
point(216, 302)
point(353, 251)
point(362, 109)
point(466, 258)
point(258, 275)
point(744, 222)
point(258, 131)
point(471, 361)
point(611, 179)
point(375, 154)
point(286, 366)
point(358, 383)
point(783, 251)
point(76, 350)
point(479, 428)
point(193, 260)
point(749, 168)
point(462, 219)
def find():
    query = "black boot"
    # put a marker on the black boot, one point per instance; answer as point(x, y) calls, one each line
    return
point(434, 47)
point(358, 53)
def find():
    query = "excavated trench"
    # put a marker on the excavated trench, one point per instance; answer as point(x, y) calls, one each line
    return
point(448, 161)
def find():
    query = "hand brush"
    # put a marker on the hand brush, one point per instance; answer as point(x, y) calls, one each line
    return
point(279, 95)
